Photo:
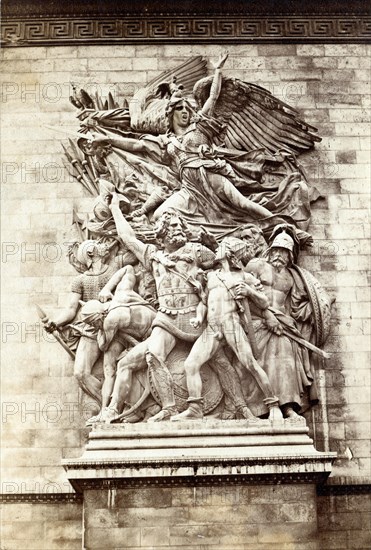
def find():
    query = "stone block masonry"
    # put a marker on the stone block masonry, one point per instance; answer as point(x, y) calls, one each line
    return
point(344, 521)
point(41, 525)
point(234, 517)
point(43, 413)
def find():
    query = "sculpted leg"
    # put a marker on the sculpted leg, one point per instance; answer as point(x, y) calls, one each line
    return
point(87, 354)
point(109, 368)
point(203, 349)
point(160, 344)
point(134, 360)
point(240, 344)
point(222, 186)
point(231, 383)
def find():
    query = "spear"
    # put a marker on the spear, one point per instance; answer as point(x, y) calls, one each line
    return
point(87, 167)
point(78, 223)
point(41, 313)
point(304, 343)
point(73, 133)
point(75, 174)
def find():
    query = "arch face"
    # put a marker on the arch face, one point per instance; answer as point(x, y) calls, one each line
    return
point(287, 74)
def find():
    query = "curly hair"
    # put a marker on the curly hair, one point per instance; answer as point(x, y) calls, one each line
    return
point(163, 222)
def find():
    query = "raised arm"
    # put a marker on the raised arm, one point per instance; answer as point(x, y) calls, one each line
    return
point(125, 231)
point(216, 85)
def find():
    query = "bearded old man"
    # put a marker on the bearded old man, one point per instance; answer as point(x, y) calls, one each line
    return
point(286, 362)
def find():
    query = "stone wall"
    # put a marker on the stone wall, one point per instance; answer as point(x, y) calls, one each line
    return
point(344, 520)
point(41, 525)
point(220, 518)
point(42, 415)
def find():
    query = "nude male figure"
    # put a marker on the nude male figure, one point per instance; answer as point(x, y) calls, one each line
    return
point(225, 287)
point(175, 270)
point(124, 319)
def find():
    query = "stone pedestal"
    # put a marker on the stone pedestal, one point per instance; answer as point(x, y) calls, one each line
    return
point(119, 455)
point(224, 484)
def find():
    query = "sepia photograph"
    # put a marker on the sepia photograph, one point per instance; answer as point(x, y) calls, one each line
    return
point(185, 259)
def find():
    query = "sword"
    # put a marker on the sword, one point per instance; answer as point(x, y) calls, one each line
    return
point(245, 316)
point(294, 334)
point(41, 313)
point(306, 344)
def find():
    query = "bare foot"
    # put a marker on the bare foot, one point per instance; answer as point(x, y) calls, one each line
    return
point(93, 419)
point(109, 415)
point(248, 415)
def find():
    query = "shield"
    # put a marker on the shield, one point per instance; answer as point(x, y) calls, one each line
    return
point(321, 304)
point(212, 392)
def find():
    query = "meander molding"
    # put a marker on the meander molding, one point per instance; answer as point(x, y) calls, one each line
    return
point(219, 30)
point(184, 22)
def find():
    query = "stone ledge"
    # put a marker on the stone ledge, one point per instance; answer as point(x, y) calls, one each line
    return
point(328, 489)
point(198, 451)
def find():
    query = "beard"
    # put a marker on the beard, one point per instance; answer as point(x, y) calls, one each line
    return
point(278, 262)
point(178, 239)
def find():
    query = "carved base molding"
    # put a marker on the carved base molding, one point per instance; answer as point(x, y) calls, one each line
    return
point(64, 30)
point(204, 452)
point(42, 498)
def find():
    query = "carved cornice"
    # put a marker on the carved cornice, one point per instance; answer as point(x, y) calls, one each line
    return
point(111, 474)
point(77, 498)
point(81, 485)
point(195, 465)
point(195, 28)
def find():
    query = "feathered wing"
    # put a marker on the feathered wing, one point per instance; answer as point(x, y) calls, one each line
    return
point(254, 118)
point(148, 105)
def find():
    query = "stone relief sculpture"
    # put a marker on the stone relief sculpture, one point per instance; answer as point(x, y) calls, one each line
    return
point(189, 277)
point(89, 258)
point(227, 322)
point(288, 337)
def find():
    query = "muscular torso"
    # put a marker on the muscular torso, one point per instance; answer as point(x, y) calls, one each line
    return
point(277, 284)
point(220, 285)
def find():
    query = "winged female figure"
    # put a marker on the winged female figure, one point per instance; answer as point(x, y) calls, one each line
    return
point(222, 187)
